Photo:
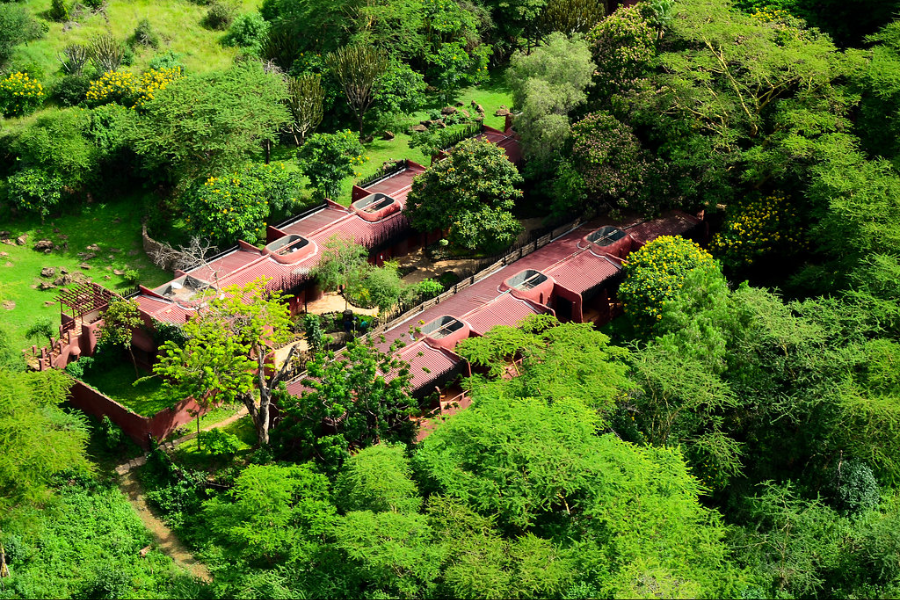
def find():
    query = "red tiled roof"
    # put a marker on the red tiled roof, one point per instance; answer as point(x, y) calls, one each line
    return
point(582, 272)
point(505, 310)
point(672, 223)
point(427, 363)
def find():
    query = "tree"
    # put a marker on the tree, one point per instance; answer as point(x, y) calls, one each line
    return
point(342, 265)
point(305, 96)
point(38, 438)
point(353, 400)
point(547, 84)
point(120, 319)
point(358, 69)
point(380, 287)
point(622, 46)
point(328, 158)
point(571, 16)
point(228, 343)
point(378, 479)
point(471, 193)
point(273, 513)
point(208, 124)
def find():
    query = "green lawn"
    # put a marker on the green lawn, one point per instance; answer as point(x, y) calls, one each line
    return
point(145, 398)
point(115, 227)
point(177, 22)
point(189, 455)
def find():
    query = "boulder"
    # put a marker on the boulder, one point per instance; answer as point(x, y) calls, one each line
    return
point(502, 112)
point(84, 266)
point(43, 245)
point(119, 272)
point(63, 270)
point(86, 255)
point(56, 230)
point(46, 286)
point(419, 128)
point(460, 103)
point(8, 242)
point(115, 250)
point(9, 304)
point(387, 135)
point(4, 254)
point(4, 235)
point(80, 277)
point(465, 113)
point(107, 277)
point(63, 280)
point(48, 272)
point(22, 239)
point(448, 110)
point(94, 248)
point(50, 303)
point(63, 236)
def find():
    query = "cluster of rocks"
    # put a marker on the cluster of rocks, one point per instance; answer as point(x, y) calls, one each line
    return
point(7, 238)
point(450, 115)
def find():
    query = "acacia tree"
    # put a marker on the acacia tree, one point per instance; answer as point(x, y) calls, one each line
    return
point(343, 263)
point(224, 358)
point(305, 97)
point(120, 320)
point(471, 193)
point(358, 69)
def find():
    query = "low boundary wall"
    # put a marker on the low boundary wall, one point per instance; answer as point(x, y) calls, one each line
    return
point(137, 427)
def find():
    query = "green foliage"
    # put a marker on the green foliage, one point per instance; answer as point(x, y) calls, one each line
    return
point(20, 94)
point(571, 16)
point(453, 67)
point(327, 158)
point(120, 320)
point(356, 398)
point(656, 271)
point(208, 124)
point(855, 487)
point(220, 15)
point(220, 443)
point(613, 165)
point(58, 144)
point(272, 513)
point(547, 84)
point(41, 330)
point(378, 287)
point(71, 90)
point(762, 227)
point(312, 327)
point(59, 11)
point(34, 190)
point(471, 193)
point(107, 54)
point(358, 68)
point(342, 265)
point(248, 32)
point(144, 35)
point(235, 207)
point(38, 439)
point(401, 90)
point(81, 366)
point(378, 479)
point(17, 26)
point(622, 46)
point(305, 101)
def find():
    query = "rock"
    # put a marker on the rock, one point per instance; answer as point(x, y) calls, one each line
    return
point(48, 250)
point(48, 272)
point(9, 264)
point(440, 124)
point(80, 277)
point(426, 122)
point(9, 304)
point(448, 110)
point(460, 103)
point(117, 220)
point(22, 239)
point(368, 139)
point(86, 255)
point(143, 552)
point(84, 266)
point(502, 112)
point(63, 280)
point(8, 242)
point(4, 235)
point(50, 303)
point(62, 236)
point(110, 257)
point(107, 277)
point(56, 230)
point(474, 104)
point(63, 270)
point(387, 135)
point(94, 248)
point(465, 113)
point(4, 254)
point(502, 106)
point(118, 272)
point(419, 128)
point(46, 286)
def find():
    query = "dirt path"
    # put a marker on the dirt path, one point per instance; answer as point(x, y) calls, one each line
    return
point(163, 537)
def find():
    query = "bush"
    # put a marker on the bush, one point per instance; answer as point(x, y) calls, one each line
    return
point(111, 434)
point(93, 4)
point(34, 190)
point(80, 367)
point(154, 81)
point(120, 87)
point(71, 90)
point(854, 487)
point(220, 443)
point(220, 16)
point(764, 226)
point(144, 35)
point(656, 272)
point(132, 276)
point(249, 32)
point(226, 209)
point(58, 11)
point(166, 60)
point(20, 94)
point(327, 158)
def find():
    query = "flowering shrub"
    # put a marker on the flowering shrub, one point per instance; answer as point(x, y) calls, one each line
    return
point(761, 227)
point(34, 190)
point(20, 95)
point(226, 209)
point(655, 272)
point(125, 88)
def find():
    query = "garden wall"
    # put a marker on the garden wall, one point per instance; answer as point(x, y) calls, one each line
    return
point(137, 427)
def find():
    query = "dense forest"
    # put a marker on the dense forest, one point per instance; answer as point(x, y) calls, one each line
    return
point(734, 433)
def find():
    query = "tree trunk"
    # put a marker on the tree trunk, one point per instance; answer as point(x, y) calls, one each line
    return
point(268, 147)
point(134, 362)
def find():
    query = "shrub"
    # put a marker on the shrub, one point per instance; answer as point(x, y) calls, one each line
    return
point(219, 16)
point(93, 4)
point(106, 53)
point(58, 11)
point(854, 487)
point(220, 443)
point(166, 60)
point(656, 272)
point(41, 330)
point(72, 90)
point(249, 32)
point(20, 94)
point(153, 81)
point(80, 367)
point(34, 190)
point(225, 209)
point(763, 226)
point(111, 434)
point(120, 87)
point(144, 35)
point(132, 276)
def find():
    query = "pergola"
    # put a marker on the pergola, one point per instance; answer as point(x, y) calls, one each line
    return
point(83, 299)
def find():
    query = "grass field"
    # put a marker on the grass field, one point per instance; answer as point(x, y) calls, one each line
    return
point(177, 22)
point(114, 227)
point(118, 382)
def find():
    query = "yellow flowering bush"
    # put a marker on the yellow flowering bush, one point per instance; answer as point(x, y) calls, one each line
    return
point(20, 95)
point(656, 272)
point(763, 226)
point(127, 89)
